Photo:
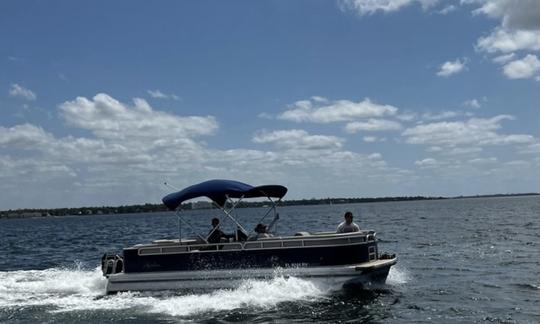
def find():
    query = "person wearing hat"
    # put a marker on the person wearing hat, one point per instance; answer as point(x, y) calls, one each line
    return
point(261, 231)
point(348, 225)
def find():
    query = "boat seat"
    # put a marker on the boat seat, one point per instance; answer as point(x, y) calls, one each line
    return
point(302, 234)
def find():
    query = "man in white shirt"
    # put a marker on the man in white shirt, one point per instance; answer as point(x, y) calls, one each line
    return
point(348, 226)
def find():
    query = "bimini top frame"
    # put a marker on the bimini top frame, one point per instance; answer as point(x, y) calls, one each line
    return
point(221, 192)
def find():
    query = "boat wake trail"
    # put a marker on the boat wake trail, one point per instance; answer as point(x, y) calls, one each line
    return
point(70, 290)
point(397, 276)
point(250, 294)
point(56, 286)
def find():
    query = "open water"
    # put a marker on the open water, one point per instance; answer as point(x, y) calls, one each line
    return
point(460, 261)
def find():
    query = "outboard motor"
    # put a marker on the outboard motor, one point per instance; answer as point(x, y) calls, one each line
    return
point(111, 264)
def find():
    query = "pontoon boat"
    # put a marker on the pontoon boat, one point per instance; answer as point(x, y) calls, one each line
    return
point(341, 259)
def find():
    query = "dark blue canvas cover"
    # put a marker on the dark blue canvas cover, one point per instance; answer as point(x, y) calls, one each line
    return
point(219, 190)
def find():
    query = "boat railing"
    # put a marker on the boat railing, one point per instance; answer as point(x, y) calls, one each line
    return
point(265, 243)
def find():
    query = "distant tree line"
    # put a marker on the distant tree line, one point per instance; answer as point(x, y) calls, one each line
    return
point(149, 208)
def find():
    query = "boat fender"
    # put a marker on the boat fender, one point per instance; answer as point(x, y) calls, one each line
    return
point(111, 264)
point(387, 256)
point(119, 264)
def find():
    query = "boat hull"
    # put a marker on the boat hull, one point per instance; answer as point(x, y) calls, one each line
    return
point(333, 250)
point(357, 275)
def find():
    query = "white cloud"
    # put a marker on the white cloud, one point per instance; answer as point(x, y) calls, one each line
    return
point(448, 9)
point(533, 148)
point(475, 131)
point(24, 136)
point(444, 115)
point(508, 41)
point(318, 111)
point(434, 149)
point(501, 59)
point(108, 118)
point(516, 14)
point(160, 95)
point(462, 150)
point(490, 160)
point(134, 148)
point(522, 69)
point(22, 92)
point(407, 116)
point(369, 139)
point(452, 67)
point(15, 59)
point(368, 7)
point(472, 103)
point(428, 162)
point(518, 163)
point(519, 31)
point(298, 139)
point(265, 115)
point(129, 148)
point(372, 125)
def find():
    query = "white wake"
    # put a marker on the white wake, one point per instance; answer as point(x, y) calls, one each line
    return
point(67, 290)
point(397, 276)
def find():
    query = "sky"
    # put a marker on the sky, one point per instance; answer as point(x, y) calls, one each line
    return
point(102, 102)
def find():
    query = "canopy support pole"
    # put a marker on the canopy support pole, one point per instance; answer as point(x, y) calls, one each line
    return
point(178, 210)
point(228, 213)
point(273, 208)
point(181, 220)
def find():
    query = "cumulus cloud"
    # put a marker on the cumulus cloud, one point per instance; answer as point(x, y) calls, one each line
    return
point(18, 91)
point(134, 148)
point(298, 139)
point(372, 125)
point(448, 9)
point(160, 95)
point(265, 115)
point(533, 148)
point(462, 150)
point(443, 115)
point(368, 7)
point(481, 161)
point(519, 31)
point(106, 117)
point(428, 162)
point(324, 111)
point(501, 59)
point(517, 14)
point(507, 41)
point(475, 131)
point(452, 67)
point(525, 68)
point(24, 136)
point(472, 103)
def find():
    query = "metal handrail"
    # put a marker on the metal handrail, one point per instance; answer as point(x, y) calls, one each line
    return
point(370, 237)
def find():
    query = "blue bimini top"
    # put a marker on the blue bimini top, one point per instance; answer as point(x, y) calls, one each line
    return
point(219, 190)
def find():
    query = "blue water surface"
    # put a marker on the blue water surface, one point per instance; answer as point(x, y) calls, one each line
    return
point(460, 261)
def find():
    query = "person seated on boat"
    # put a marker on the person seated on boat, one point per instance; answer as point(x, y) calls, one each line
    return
point(348, 225)
point(216, 234)
point(261, 231)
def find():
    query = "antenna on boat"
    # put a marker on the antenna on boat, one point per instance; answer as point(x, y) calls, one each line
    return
point(170, 186)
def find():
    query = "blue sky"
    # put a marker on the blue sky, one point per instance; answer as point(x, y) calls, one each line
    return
point(104, 101)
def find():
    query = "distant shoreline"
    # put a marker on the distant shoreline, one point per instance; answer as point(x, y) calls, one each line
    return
point(149, 208)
